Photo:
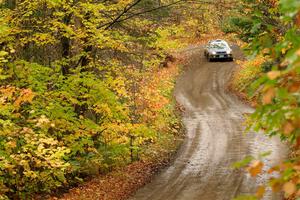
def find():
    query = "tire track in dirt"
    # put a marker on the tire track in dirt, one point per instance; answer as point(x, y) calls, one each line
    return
point(213, 119)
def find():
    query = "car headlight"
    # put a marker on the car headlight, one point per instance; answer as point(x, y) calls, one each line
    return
point(214, 53)
point(229, 51)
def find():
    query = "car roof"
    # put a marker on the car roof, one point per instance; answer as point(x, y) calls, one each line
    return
point(218, 41)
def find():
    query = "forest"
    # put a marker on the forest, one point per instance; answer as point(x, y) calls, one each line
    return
point(86, 86)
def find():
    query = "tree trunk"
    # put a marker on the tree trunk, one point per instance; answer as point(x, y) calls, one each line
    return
point(65, 42)
point(11, 4)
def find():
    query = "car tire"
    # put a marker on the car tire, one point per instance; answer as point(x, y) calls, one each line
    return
point(209, 59)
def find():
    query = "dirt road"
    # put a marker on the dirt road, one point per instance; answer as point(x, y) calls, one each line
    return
point(215, 139)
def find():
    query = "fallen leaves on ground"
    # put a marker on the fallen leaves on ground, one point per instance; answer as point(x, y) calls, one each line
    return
point(118, 185)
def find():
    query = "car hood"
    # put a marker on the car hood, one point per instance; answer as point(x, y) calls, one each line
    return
point(220, 50)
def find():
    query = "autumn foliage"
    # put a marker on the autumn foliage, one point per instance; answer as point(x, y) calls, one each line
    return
point(82, 90)
point(271, 78)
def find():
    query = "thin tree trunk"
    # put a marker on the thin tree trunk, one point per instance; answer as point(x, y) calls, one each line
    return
point(11, 4)
point(65, 42)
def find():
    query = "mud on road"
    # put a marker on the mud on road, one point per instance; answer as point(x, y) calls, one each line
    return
point(214, 122)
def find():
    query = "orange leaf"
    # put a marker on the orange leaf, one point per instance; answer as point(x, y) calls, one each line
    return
point(268, 96)
point(255, 168)
point(298, 142)
point(288, 128)
point(272, 75)
point(26, 95)
point(297, 20)
point(289, 188)
point(298, 193)
point(297, 168)
point(274, 169)
point(294, 87)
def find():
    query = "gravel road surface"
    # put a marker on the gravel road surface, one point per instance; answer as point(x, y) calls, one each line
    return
point(214, 122)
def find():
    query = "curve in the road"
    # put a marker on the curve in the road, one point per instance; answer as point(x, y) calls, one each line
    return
point(213, 119)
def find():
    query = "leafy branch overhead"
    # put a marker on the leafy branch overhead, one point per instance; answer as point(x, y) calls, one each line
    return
point(270, 30)
point(123, 17)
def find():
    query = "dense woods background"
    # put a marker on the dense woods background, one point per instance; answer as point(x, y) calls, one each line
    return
point(86, 87)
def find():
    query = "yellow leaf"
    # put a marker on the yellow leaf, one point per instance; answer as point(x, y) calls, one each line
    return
point(284, 50)
point(266, 51)
point(289, 188)
point(298, 51)
point(276, 186)
point(12, 144)
point(260, 191)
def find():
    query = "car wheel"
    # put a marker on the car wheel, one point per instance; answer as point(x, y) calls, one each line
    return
point(209, 59)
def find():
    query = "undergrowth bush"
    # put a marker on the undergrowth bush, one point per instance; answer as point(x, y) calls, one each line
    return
point(47, 144)
point(77, 98)
point(246, 73)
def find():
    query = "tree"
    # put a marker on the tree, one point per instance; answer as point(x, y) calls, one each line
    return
point(272, 30)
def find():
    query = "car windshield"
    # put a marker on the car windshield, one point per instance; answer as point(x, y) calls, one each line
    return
point(218, 45)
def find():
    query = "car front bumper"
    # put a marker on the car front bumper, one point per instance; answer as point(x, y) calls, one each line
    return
point(221, 56)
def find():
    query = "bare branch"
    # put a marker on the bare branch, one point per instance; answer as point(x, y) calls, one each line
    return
point(120, 19)
point(126, 9)
point(150, 10)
